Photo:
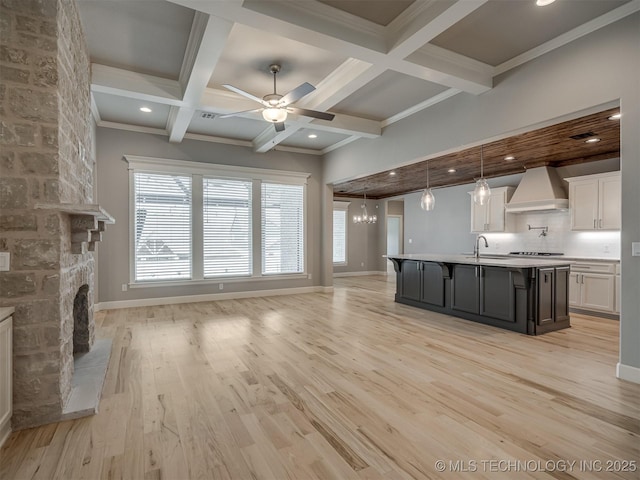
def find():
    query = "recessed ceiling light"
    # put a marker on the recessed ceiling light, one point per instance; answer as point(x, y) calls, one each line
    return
point(615, 116)
point(508, 158)
point(592, 140)
point(542, 3)
point(392, 173)
point(145, 109)
point(312, 135)
point(452, 170)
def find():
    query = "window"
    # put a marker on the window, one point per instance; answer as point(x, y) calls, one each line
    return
point(226, 217)
point(195, 222)
point(340, 232)
point(162, 226)
point(282, 228)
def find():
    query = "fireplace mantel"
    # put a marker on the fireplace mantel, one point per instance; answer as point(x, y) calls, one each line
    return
point(87, 223)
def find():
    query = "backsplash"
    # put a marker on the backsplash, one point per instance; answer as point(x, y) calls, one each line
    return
point(559, 238)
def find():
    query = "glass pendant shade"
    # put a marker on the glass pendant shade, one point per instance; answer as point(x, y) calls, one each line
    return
point(482, 192)
point(427, 201)
point(275, 115)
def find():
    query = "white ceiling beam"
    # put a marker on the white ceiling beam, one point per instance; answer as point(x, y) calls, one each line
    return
point(206, 43)
point(269, 138)
point(305, 27)
point(350, 76)
point(124, 83)
point(420, 106)
point(423, 21)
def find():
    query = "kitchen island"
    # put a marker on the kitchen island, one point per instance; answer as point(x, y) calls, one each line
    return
point(525, 295)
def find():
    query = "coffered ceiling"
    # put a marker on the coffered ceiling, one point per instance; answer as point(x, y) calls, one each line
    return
point(372, 62)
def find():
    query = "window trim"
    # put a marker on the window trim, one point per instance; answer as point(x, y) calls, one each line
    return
point(342, 205)
point(199, 170)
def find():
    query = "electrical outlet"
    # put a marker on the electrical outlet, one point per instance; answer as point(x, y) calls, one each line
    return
point(606, 248)
point(125, 287)
point(221, 286)
point(362, 264)
point(635, 249)
point(411, 240)
point(5, 261)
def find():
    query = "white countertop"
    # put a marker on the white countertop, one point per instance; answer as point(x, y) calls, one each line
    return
point(502, 261)
point(6, 312)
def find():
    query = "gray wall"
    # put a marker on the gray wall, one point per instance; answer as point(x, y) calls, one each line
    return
point(598, 70)
point(364, 249)
point(113, 195)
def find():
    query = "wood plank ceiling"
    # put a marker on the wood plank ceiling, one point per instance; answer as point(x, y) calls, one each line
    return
point(549, 146)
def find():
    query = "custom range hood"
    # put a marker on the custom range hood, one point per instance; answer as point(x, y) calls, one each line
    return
point(540, 189)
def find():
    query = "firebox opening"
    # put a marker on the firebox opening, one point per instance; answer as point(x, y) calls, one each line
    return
point(81, 340)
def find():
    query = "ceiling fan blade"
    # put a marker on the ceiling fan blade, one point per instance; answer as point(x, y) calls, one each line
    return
point(311, 113)
point(244, 94)
point(279, 126)
point(297, 93)
point(227, 115)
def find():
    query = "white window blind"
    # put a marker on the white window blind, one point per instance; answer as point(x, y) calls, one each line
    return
point(227, 227)
point(162, 226)
point(339, 236)
point(282, 228)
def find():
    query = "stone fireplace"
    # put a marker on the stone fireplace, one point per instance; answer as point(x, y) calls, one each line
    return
point(46, 168)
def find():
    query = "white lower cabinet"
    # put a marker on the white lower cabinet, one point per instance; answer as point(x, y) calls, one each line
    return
point(6, 377)
point(618, 291)
point(592, 286)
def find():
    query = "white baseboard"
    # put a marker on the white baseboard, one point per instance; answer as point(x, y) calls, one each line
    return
point(358, 274)
point(5, 430)
point(627, 372)
point(209, 297)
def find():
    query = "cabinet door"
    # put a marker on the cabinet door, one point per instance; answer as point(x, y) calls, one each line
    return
point(497, 293)
point(583, 201)
point(495, 212)
point(432, 284)
point(410, 279)
point(561, 294)
point(465, 294)
point(574, 289)
point(597, 291)
point(546, 289)
point(609, 203)
point(479, 214)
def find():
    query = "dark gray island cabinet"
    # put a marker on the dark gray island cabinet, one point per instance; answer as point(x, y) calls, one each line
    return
point(524, 295)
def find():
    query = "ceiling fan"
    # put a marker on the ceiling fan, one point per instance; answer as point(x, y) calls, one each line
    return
point(276, 107)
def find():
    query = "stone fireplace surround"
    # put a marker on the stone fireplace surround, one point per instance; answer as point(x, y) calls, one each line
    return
point(46, 158)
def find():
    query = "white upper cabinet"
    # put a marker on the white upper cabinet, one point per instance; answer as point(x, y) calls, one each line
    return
point(595, 201)
point(492, 216)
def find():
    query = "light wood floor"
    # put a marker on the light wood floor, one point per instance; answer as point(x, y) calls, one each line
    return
point(348, 385)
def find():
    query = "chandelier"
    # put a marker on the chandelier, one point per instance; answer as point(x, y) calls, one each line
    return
point(365, 217)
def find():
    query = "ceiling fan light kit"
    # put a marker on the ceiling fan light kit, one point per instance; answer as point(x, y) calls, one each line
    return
point(276, 106)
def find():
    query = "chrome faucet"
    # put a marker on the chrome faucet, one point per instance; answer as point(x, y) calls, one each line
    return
point(476, 251)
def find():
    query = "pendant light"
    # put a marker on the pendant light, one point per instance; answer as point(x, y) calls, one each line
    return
point(427, 201)
point(482, 192)
point(365, 217)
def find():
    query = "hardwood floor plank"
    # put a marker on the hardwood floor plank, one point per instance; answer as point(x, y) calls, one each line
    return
point(348, 385)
